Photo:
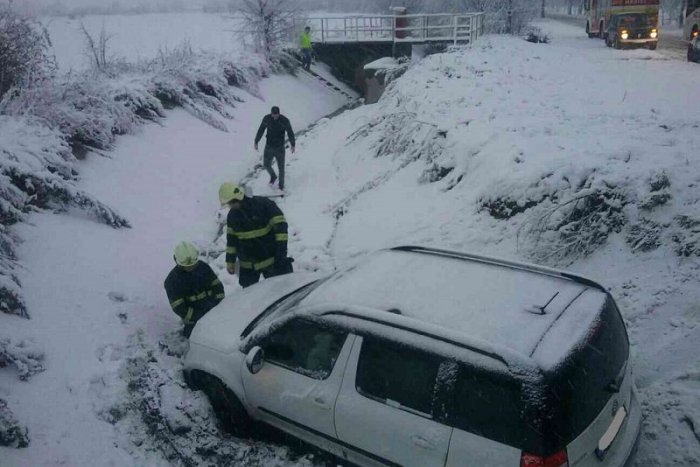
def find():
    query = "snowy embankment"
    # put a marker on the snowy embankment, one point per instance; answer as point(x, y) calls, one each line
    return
point(93, 377)
point(568, 154)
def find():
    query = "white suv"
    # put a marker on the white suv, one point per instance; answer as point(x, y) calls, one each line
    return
point(426, 358)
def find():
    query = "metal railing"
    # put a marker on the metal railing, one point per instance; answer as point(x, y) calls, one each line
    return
point(455, 28)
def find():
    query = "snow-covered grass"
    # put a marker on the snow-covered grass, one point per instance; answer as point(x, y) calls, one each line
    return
point(142, 37)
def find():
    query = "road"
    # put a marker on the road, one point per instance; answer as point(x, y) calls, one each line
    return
point(670, 45)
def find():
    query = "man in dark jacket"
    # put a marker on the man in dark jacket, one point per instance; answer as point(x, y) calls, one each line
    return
point(192, 287)
point(276, 126)
point(256, 236)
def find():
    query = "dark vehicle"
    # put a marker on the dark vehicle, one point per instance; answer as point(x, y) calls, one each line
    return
point(694, 50)
point(632, 29)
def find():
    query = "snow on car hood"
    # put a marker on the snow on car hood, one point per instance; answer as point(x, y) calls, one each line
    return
point(221, 328)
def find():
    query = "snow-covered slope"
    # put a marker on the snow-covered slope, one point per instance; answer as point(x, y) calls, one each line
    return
point(100, 317)
point(568, 153)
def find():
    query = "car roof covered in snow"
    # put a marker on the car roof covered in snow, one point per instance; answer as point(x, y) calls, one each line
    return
point(509, 305)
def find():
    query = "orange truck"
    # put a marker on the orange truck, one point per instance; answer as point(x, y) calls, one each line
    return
point(598, 13)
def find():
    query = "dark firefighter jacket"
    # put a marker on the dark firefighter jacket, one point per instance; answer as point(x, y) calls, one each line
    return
point(192, 294)
point(275, 131)
point(256, 234)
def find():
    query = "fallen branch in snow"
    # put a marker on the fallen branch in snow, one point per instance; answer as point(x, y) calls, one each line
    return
point(24, 355)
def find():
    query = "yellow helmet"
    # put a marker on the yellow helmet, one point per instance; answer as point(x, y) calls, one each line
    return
point(186, 255)
point(230, 192)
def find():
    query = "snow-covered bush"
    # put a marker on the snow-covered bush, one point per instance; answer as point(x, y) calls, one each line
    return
point(36, 172)
point(536, 35)
point(11, 433)
point(686, 239)
point(403, 136)
point(91, 109)
point(24, 355)
point(24, 48)
point(573, 228)
point(645, 235)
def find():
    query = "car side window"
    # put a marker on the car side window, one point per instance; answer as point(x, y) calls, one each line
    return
point(398, 376)
point(305, 347)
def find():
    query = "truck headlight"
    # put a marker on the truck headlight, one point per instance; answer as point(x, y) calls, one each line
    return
point(653, 34)
point(624, 35)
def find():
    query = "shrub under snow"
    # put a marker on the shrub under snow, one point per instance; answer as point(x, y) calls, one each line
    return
point(24, 48)
point(35, 173)
point(12, 434)
point(44, 128)
point(24, 355)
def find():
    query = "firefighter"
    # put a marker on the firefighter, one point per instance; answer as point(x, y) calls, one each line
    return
point(256, 236)
point(192, 287)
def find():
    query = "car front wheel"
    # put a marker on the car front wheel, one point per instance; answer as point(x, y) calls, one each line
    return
point(228, 409)
point(691, 55)
point(616, 44)
point(652, 46)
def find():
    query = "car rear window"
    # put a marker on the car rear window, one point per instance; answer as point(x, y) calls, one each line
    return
point(490, 405)
point(579, 389)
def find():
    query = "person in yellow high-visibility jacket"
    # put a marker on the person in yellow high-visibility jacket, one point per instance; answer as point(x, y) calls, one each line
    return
point(305, 45)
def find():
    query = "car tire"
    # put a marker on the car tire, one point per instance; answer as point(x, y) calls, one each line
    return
point(691, 55)
point(608, 43)
point(227, 407)
point(653, 46)
point(616, 44)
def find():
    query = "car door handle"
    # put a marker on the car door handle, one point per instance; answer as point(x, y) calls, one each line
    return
point(321, 402)
point(422, 442)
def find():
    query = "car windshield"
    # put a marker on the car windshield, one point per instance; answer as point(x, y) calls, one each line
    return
point(633, 21)
point(283, 305)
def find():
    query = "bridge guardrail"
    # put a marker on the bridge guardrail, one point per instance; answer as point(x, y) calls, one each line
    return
point(417, 28)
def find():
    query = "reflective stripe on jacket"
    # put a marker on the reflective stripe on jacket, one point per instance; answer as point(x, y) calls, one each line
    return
point(193, 293)
point(256, 234)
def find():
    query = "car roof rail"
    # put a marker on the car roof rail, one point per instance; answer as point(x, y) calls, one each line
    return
point(420, 332)
point(502, 262)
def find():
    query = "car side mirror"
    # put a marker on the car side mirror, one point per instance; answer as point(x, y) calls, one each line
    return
point(255, 360)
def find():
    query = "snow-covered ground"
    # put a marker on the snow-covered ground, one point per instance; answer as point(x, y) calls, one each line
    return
point(135, 37)
point(480, 149)
point(90, 288)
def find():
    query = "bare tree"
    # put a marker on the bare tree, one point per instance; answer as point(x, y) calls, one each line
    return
point(96, 49)
point(503, 16)
point(270, 22)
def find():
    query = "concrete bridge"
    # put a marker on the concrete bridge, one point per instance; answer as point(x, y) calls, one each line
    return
point(347, 43)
